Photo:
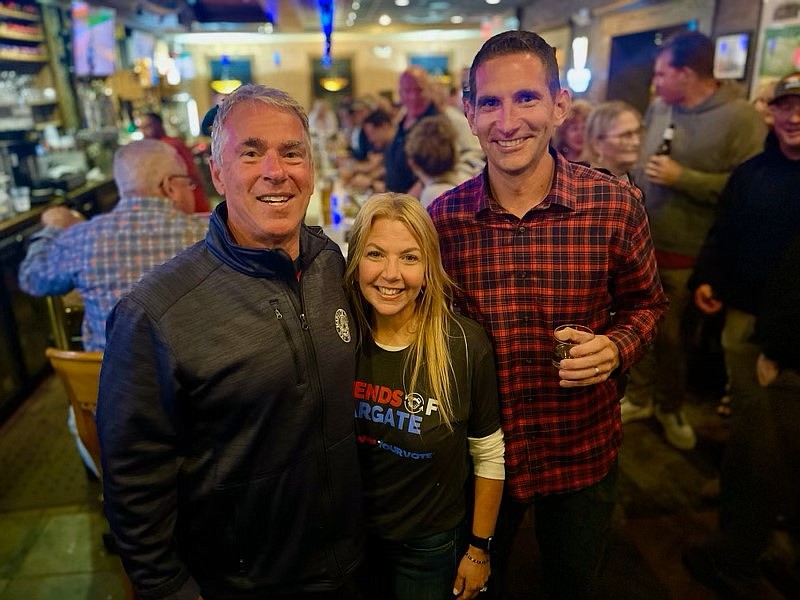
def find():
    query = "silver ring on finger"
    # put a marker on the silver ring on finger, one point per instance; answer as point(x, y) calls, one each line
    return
point(596, 371)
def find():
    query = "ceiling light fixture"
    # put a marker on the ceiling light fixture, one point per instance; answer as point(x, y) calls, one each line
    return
point(456, 19)
point(326, 21)
point(225, 84)
point(401, 2)
point(579, 76)
point(334, 84)
point(385, 20)
point(492, 2)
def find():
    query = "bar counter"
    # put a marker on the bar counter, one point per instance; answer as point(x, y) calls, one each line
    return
point(89, 199)
point(25, 322)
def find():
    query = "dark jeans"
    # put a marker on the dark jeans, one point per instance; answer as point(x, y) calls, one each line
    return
point(572, 533)
point(422, 569)
point(760, 475)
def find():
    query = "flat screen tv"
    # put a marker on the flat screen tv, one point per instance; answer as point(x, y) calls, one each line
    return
point(93, 40)
point(142, 46)
point(730, 55)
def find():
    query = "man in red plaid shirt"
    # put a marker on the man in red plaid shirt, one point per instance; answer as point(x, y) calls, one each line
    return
point(534, 242)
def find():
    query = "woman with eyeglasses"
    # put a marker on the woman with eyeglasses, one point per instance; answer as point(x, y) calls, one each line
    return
point(613, 137)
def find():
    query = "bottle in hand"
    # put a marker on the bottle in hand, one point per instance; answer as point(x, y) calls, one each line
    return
point(666, 142)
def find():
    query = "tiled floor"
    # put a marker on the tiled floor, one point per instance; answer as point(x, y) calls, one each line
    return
point(51, 525)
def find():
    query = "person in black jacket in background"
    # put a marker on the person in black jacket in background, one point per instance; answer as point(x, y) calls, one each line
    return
point(761, 470)
point(758, 224)
point(758, 215)
point(225, 408)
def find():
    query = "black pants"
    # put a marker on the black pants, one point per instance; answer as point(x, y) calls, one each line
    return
point(572, 533)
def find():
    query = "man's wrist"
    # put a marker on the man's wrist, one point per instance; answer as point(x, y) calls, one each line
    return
point(476, 556)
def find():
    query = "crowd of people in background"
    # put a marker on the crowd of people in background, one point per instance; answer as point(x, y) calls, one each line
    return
point(232, 464)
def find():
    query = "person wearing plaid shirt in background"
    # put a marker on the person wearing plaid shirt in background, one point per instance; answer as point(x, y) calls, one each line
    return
point(103, 258)
point(534, 242)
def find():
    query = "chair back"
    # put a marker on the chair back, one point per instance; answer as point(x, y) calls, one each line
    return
point(80, 374)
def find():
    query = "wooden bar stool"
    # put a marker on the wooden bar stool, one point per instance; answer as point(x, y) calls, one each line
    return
point(80, 373)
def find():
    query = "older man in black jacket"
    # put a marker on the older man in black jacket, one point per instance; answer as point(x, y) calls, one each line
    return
point(225, 408)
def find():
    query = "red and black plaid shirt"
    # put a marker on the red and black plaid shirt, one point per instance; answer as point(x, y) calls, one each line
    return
point(584, 256)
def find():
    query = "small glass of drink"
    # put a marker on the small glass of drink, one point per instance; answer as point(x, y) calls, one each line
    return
point(565, 337)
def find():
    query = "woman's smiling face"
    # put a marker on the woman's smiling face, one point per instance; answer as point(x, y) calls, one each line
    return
point(391, 271)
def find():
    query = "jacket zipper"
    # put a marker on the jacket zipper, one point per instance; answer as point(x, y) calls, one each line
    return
point(319, 389)
point(288, 334)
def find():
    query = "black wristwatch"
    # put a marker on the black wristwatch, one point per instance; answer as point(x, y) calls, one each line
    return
point(484, 544)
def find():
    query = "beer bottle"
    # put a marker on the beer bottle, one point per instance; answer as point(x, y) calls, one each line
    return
point(666, 142)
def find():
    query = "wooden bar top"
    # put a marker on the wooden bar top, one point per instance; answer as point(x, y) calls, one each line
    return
point(86, 193)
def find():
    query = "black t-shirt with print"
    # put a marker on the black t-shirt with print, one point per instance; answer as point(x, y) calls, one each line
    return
point(414, 468)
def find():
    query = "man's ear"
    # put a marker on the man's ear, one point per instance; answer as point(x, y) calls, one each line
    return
point(215, 176)
point(469, 112)
point(167, 187)
point(562, 104)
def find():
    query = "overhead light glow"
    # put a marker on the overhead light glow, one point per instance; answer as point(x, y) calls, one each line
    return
point(456, 19)
point(579, 77)
point(173, 75)
point(356, 5)
point(194, 117)
point(225, 86)
point(401, 2)
point(492, 2)
point(334, 84)
point(385, 20)
point(382, 51)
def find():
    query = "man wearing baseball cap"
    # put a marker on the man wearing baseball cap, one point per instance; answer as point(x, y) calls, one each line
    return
point(786, 87)
point(759, 217)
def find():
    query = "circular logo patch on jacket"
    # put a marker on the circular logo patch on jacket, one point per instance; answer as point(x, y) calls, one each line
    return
point(342, 324)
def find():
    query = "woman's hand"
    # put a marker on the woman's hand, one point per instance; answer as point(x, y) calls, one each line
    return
point(471, 577)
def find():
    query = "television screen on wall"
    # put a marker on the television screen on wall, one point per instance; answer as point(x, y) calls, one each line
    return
point(141, 50)
point(730, 55)
point(93, 40)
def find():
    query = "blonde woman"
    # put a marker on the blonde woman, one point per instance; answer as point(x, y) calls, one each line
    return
point(613, 138)
point(426, 412)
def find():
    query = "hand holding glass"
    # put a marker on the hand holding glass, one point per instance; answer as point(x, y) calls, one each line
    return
point(566, 337)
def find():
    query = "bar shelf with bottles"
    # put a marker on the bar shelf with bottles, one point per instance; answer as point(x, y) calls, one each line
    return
point(21, 35)
point(19, 11)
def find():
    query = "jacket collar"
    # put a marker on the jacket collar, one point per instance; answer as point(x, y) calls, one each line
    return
point(269, 263)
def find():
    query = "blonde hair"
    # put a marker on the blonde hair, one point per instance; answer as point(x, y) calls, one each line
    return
point(430, 348)
point(600, 120)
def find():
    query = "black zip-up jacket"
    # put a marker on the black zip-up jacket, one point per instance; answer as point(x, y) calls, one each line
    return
point(226, 423)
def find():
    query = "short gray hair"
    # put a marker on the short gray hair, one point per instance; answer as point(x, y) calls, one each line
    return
point(141, 166)
point(247, 93)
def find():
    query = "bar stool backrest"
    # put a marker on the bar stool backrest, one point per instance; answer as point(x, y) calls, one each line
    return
point(80, 373)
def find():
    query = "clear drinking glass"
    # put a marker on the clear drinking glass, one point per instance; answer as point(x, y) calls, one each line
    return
point(21, 198)
point(565, 337)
